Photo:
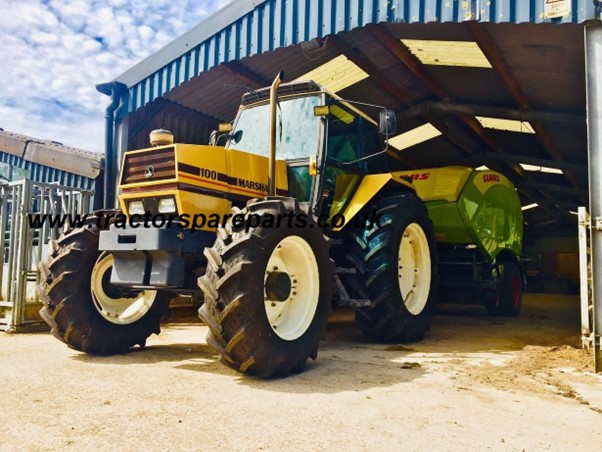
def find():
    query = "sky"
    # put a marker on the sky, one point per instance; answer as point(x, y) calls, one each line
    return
point(54, 52)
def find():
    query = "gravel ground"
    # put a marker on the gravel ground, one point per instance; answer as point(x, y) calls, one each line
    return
point(475, 382)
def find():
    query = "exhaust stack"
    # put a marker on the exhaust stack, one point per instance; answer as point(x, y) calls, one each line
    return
point(272, 149)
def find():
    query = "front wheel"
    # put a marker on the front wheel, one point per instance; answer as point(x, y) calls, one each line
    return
point(83, 308)
point(268, 290)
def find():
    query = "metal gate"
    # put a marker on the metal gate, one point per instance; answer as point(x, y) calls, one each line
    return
point(590, 337)
point(22, 246)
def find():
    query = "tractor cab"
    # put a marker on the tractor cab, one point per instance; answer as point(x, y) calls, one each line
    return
point(326, 142)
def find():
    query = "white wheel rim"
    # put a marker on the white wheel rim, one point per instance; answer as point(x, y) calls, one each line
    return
point(414, 268)
point(291, 318)
point(120, 311)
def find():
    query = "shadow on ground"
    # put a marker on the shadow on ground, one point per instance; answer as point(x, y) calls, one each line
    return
point(348, 362)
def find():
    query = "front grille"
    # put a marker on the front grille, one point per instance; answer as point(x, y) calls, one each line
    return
point(149, 166)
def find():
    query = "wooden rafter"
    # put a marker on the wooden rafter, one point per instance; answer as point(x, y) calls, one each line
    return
point(247, 76)
point(412, 63)
point(402, 53)
point(504, 72)
point(371, 69)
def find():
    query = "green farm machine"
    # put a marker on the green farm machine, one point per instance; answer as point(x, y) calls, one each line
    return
point(478, 222)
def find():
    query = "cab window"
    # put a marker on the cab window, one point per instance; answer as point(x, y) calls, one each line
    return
point(343, 153)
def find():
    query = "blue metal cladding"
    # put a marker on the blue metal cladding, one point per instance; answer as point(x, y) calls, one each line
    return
point(280, 23)
point(42, 173)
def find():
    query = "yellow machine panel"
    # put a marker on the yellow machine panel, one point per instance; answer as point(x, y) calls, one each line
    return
point(212, 167)
point(438, 184)
point(369, 187)
point(202, 179)
point(228, 170)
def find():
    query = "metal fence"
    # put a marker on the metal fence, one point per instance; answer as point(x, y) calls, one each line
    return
point(23, 247)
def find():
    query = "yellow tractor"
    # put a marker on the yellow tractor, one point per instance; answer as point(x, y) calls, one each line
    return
point(294, 212)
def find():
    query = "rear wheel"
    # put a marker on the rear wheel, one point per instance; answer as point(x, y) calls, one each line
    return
point(84, 309)
point(506, 299)
point(396, 269)
point(267, 291)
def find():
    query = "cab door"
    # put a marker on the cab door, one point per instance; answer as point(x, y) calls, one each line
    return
point(342, 162)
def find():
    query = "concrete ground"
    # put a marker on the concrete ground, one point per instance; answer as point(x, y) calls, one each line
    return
point(475, 382)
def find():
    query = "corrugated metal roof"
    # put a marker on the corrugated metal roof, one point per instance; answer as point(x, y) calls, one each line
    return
point(250, 27)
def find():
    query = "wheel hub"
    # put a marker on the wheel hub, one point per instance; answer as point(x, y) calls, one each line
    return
point(291, 288)
point(414, 268)
point(112, 303)
point(278, 286)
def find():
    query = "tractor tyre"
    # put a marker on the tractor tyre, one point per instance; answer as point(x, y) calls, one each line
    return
point(396, 266)
point(81, 306)
point(506, 299)
point(267, 289)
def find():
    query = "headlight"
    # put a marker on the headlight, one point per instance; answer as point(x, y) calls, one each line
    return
point(136, 208)
point(167, 205)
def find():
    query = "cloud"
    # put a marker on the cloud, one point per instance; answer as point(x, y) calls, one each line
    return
point(54, 52)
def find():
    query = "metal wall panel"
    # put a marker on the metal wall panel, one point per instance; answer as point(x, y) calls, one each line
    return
point(273, 24)
point(42, 173)
point(186, 129)
point(49, 161)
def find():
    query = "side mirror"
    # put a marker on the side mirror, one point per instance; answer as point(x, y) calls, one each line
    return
point(236, 136)
point(387, 122)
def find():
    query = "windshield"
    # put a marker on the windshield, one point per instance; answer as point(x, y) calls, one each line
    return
point(297, 129)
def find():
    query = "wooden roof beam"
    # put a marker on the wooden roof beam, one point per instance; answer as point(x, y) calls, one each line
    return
point(504, 72)
point(390, 88)
point(403, 54)
point(514, 158)
point(371, 69)
point(412, 63)
point(251, 79)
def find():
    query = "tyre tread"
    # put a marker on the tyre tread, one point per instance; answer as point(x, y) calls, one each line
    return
point(371, 254)
point(235, 331)
point(67, 305)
